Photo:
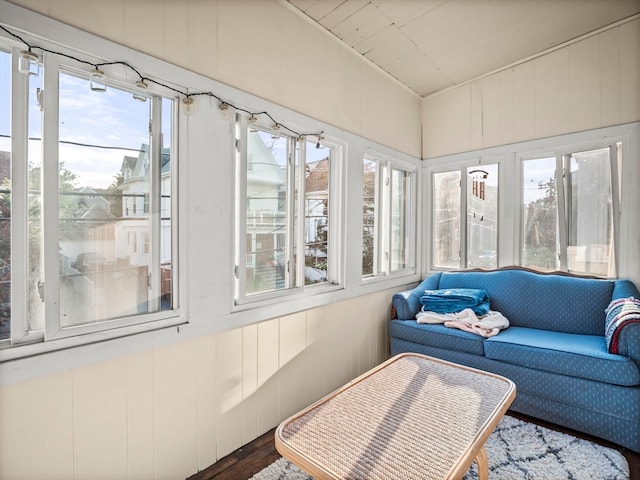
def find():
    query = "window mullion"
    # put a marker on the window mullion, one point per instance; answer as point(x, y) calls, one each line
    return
point(385, 215)
point(301, 221)
point(155, 163)
point(615, 204)
point(19, 202)
point(291, 255)
point(50, 198)
point(562, 167)
point(463, 217)
point(240, 150)
point(336, 232)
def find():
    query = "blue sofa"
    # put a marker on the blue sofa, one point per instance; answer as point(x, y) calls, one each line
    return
point(554, 349)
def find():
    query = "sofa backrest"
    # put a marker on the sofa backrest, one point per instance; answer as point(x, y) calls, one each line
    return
point(546, 301)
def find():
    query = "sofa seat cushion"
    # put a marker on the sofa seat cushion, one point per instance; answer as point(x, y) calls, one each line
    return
point(583, 356)
point(436, 336)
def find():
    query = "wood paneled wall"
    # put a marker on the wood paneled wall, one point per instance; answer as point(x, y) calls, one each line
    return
point(591, 83)
point(169, 412)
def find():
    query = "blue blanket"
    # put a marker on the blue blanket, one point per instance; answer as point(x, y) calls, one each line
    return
point(454, 300)
point(620, 312)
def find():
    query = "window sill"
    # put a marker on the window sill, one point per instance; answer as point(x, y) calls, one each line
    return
point(16, 352)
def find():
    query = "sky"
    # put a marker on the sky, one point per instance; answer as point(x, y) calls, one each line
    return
point(108, 119)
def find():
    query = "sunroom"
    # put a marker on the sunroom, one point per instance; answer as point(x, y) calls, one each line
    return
point(207, 206)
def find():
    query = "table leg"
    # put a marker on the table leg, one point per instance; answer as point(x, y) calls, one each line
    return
point(483, 465)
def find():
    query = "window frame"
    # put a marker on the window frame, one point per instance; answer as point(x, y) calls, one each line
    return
point(22, 340)
point(382, 257)
point(563, 155)
point(511, 157)
point(462, 169)
point(295, 217)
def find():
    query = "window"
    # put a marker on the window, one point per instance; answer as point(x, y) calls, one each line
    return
point(388, 216)
point(96, 170)
point(482, 216)
point(567, 211)
point(446, 193)
point(284, 209)
point(474, 243)
point(568, 218)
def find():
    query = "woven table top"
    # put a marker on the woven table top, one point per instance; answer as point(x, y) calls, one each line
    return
point(413, 417)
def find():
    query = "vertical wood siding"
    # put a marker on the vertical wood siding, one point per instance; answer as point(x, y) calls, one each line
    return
point(171, 411)
point(590, 84)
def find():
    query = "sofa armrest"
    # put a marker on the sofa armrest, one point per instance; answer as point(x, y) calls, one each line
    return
point(629, 342)
point(624, 289)
point(629, 336)
point(407, 303)
point(404, 305)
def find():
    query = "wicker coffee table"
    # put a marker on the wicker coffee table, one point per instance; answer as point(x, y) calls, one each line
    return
point(412, 417)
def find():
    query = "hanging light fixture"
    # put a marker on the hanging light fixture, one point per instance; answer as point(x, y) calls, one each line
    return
point(96, 81)
point(29, 63)
point(188, 106)
point(140, 94)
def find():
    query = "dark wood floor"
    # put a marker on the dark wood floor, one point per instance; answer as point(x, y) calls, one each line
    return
point(250, 459)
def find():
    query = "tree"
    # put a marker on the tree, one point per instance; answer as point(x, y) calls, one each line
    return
point(368, 216)
point(540, 229)
point(115, 194)
point(5, 258)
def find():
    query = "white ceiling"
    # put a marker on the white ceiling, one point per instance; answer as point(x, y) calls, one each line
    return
point(429, 45)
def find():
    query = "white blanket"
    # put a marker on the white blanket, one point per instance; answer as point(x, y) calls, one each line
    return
point(486, 325)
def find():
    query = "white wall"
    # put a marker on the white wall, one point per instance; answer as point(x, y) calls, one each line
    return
point(261, 47)
point(589, 84)
point(170, 411)
point(167, 403)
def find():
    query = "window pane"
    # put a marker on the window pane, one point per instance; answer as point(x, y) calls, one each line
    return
point(589, 213)
point(316, 211)
point(369, 185)
point(482, 216)
point(446, 220)
point(539, 214)
point(266, 212)
point(400, 221)
point(105, 176)
point(5, 195)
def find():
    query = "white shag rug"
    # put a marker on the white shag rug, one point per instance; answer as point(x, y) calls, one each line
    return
point(519, 450)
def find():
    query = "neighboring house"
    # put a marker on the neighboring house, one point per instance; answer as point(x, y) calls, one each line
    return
point(89, 221)
point(266, 213)
point(316, 210)
point(132, 232)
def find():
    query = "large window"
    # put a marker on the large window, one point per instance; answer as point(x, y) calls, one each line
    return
point(562, 213)
point(87, 203)
point(286, 230)
point(388, 216)
point(568, 217)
